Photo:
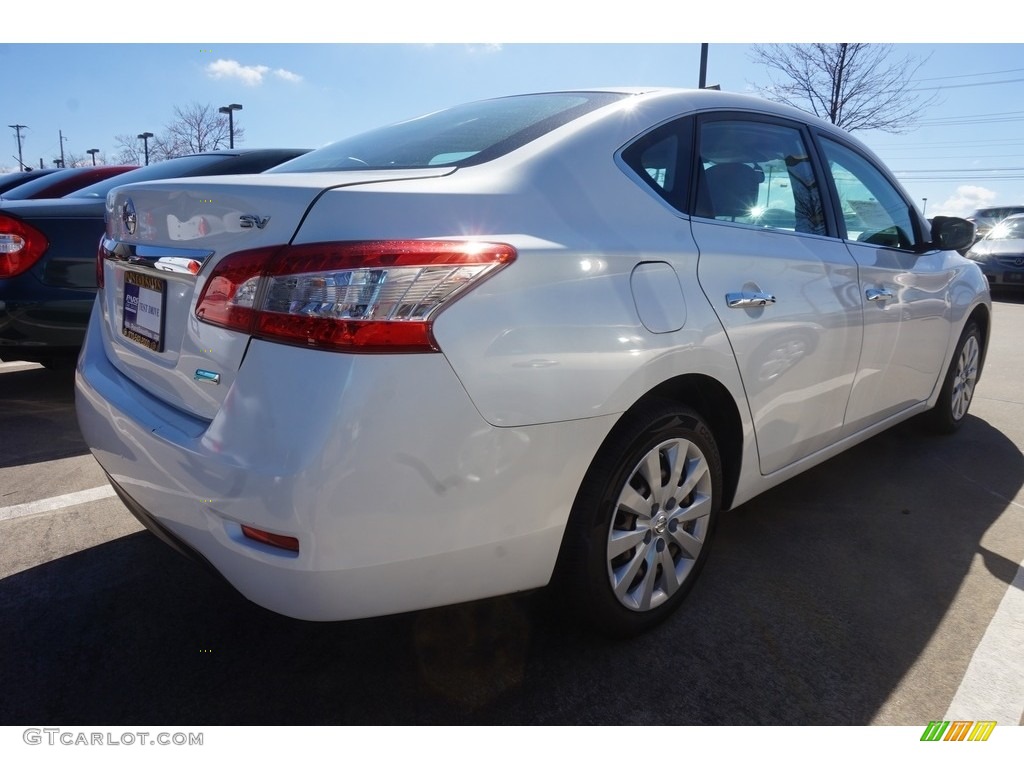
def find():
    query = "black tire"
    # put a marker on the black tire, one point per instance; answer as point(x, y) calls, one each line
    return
point(958, 387)
point(631, 551)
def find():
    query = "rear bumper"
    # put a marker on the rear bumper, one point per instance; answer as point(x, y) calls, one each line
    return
point(401, 495)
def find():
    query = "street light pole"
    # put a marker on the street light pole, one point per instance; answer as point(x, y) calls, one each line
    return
point(145, 143)
point(924, 210)
point(93, 153)
point(229, 110)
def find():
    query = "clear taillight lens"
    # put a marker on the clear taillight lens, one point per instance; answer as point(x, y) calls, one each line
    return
point(21, 245)
point(376, 296)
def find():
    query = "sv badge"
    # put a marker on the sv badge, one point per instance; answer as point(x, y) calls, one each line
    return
point(248, 221)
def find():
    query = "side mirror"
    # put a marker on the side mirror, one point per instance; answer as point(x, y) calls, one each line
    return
point(951, 234)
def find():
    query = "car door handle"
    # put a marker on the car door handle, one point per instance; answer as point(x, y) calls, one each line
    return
point(748, 299)
point(878, 294)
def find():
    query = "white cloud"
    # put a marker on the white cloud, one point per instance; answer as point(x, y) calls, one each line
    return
point(229, 68)
point(291, 77)
point(966, 199)
point(484, 48)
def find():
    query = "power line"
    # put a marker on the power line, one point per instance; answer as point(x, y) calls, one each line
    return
point(975, 74)
point(968, 85)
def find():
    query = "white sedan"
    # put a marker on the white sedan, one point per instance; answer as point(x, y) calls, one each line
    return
point(542, 338)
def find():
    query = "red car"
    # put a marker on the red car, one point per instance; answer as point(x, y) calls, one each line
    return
point(63, 182)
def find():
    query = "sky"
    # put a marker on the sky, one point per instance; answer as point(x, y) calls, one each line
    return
point(966, 151)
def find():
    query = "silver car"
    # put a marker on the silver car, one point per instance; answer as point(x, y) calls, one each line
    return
point(1000, 254)
point(541, 338)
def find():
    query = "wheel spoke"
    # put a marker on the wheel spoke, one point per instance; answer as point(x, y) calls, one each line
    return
point(687, 542)
point(650, 471)
point(696, 470)
point(701, 507)
point(624, 578)
point(631, 501)
point(646, 587)
point(623, 541)
point(677, 463)
point(669, 578)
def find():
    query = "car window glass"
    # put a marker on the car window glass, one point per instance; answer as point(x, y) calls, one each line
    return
point(873, 209)
point(464, 135)
point(1008, 229)
point(757, 173)
point(660, 159)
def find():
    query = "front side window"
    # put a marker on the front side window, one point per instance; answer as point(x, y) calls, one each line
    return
point(757, 173)
point(873, 210)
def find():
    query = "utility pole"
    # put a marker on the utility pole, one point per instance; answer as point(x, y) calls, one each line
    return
point(703, 81)
point(62, 137)
point(17, 128)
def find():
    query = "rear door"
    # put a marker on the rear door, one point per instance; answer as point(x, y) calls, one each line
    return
point(785, 292)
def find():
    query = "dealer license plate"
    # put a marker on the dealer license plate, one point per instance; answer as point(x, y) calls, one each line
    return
point(144, 298)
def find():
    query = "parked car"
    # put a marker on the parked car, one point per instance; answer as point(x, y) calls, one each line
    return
point(543, 338)
point(48, 255)
point(1000, 254)
point(63, 182)
point(16, 178)
point(986, 218)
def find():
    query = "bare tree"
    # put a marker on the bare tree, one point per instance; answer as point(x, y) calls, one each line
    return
point(129, 150)
point(856, 86)
point(195, 128)
point(72, 160)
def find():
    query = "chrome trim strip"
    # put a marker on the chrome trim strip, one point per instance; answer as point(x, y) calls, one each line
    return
point(159, 257)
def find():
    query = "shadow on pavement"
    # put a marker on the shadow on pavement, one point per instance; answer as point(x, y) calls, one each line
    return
point(818, 598)
point(37, 417)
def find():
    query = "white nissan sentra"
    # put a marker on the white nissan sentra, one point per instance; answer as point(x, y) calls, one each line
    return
point(542, 338)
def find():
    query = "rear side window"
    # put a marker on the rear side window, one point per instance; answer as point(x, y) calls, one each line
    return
point(757, 173)
point(661, 160)
point(465, 135)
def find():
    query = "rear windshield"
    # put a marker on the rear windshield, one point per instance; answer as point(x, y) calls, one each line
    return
point(465, 135)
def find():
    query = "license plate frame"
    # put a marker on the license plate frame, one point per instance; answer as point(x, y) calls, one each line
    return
point(142, 310)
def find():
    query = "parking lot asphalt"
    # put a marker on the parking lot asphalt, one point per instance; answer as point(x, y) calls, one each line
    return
point(882, 587)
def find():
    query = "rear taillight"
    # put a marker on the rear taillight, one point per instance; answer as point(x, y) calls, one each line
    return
point(21, 245)
point(376, 296)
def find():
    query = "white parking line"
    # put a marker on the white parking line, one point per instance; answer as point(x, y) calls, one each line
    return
point(993, 686)
point(56, 502)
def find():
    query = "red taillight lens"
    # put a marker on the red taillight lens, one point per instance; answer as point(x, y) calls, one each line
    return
point(21, 245)
point(273, 539)
point(357, 297)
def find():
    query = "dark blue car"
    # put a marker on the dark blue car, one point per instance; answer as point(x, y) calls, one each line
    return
point(48, 254)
